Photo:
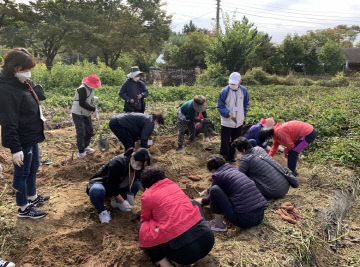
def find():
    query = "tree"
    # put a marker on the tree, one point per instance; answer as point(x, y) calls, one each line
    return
point(342, 34)
point(189, 52)
point(293, 51)
point(332, 57)
point(263, 54)
point(312, 63)
point(233, 48)
point(188, 28)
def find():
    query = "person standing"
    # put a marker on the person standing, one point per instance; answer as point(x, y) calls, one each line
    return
point(233, 103)
point(81, 110)
point(133, 91)
point(22, 128)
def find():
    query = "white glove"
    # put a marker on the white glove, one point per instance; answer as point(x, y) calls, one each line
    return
point(96, 113)
point(96, 98)
point(18, 158)
point(1, 169)
point(125, 206)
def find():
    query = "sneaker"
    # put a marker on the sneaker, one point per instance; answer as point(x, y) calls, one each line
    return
point(4, 263)
point(89, 150)
point(80, 155)
point(115, 204)
point(104, 216)
point(217, 227)
point(39, 200)
point(31, 212)
point(179, 148)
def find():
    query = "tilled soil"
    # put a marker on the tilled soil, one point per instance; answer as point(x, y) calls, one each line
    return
point(71, 235)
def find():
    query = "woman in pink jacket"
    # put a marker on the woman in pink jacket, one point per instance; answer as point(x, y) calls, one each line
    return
point(295, 136)
point(172, 228)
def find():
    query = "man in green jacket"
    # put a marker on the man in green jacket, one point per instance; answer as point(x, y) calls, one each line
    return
point(186, 115)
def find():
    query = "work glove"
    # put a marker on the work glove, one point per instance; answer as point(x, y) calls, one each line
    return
point(96, 98)
point(18, 158)
point(125, 206)
point(96, 113)
point(1, 169)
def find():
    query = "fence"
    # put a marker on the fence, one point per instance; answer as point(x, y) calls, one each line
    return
point(171, 77)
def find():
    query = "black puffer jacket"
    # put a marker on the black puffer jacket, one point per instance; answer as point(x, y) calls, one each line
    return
point(20, 121)
point(112, 174)
point(140, 126)
point(271, 183)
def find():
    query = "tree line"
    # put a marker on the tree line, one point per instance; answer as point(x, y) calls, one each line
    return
point(135, 32)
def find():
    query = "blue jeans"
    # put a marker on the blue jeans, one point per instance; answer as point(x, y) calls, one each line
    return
point(221, 204)
point(293, 154)
point(97, 193)
point(25, 176)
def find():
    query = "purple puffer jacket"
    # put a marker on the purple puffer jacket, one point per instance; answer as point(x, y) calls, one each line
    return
point(242, 191)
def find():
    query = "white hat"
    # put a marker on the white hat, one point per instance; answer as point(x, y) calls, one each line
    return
point(134, 72)
point(234, 78)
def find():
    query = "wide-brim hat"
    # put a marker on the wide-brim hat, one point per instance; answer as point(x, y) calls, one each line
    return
point(92, 81)
point(134, 71)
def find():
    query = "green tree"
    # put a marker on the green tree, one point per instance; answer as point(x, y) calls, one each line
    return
point(332, 57)
point(293, 51)
point(187, 51)
point(188, 28)
point(312, 63)
point(343, 35)
point(233, 48)
point(263, 54)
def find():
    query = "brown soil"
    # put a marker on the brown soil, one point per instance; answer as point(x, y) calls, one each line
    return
point(71, 235)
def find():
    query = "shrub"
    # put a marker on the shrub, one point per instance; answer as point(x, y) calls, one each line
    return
point(338, 80)
point(67, 76)
point(214, 75)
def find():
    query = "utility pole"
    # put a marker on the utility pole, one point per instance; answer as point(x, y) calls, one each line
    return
point(217, 15)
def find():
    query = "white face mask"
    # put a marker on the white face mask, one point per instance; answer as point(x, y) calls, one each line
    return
point(234, 87)
point(134, 166)
point(136, 79)
point(23, 76)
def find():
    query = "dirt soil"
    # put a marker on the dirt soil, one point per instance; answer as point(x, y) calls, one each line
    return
point(71, 235)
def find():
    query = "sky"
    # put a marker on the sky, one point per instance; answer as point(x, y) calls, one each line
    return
point(275, 17)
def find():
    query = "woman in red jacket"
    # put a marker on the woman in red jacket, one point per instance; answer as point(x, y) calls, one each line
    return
point(295, 136)
point(171, 226)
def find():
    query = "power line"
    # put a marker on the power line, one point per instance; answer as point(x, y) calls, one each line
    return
point(311, 18)
point(301, 11)
point(276, 18)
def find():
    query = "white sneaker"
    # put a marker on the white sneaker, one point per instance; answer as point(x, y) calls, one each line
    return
point(89, 150)
point(4, 263)
point(80, 155)
point(104, 216)
point(121, 206)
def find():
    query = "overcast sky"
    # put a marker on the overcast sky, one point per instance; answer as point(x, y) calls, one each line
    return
point(276, 17)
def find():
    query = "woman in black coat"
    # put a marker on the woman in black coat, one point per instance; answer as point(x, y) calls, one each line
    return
point(22, 127)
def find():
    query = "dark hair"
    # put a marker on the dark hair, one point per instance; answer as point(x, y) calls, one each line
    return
point(18, 57)
point(151, 174)
point(215, 161)
point(242, 144)
point(199, 99)
point(158, 116)
point(265, 134)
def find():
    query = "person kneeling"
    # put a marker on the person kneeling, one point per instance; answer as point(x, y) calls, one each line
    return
point(256, 164)
point(171, 226)
point(118, 178)
point(234, 195)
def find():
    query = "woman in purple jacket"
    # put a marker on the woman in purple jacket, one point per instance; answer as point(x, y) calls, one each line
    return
point(232, 194)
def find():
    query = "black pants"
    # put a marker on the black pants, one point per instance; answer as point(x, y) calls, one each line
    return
point(122, 134)
point(189, 252)
point(221, 204)
point(84, 131)
point(228, 135)
point(183, 125)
